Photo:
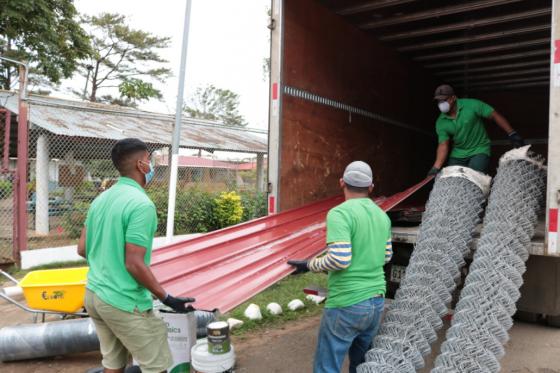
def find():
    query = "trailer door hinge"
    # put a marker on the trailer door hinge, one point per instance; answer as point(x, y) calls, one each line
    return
point(271, 24)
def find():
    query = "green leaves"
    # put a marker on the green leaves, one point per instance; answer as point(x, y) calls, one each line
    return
point(124, 58)
point(46, 33)
point(217, 104)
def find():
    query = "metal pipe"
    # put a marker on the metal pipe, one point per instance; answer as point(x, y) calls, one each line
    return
point(33, 341)
point(472, 24)
point(499, 57)
point(20, 241)
point(175, 142)
point(505, 81)
point(490, 49)
point(474, 38)
point(371, 5)
point(436, 13)
point(500, 67)
point(512, 73)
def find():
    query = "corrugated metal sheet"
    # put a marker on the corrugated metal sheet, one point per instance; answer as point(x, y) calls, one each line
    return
point(223, 269)
point(100, 121)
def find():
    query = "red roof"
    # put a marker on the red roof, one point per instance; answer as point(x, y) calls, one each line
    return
point(199, 162)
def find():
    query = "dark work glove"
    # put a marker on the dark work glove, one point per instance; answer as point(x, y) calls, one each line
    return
point(178, 303)
point(434, 171)
point(516, 140)
point(300, 265)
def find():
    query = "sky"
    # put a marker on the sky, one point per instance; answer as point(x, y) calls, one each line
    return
point(228, 41)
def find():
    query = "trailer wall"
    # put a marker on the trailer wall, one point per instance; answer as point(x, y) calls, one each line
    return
point(325, 55)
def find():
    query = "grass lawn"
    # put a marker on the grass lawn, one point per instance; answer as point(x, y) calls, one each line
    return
point(282, 293)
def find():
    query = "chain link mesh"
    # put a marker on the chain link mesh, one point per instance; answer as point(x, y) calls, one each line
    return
point(7, 186)
point(444, 238)
point(65, 174)
point(487, 303)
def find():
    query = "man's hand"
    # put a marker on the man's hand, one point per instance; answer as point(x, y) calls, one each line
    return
point(300, 265)
point(516, 140)
point(178, 303)
point(434, 171)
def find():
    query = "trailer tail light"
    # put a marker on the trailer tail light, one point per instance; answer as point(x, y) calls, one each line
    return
point(552, 230)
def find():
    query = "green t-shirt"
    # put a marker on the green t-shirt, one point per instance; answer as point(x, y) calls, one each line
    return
point(466, 129)
point(122, 214)
point(368, 228)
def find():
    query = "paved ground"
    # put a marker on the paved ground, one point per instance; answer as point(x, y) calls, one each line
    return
point(533, 349)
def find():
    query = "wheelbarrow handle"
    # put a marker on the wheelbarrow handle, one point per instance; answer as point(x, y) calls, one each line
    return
point(9, 277)
point(32, 310)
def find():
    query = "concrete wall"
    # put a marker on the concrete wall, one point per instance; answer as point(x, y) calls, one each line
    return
point(327, 56)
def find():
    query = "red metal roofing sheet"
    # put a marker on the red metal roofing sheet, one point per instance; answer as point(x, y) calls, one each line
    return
point(222, 269)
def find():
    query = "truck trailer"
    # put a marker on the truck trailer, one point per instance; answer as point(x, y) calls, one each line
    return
point(354, 79)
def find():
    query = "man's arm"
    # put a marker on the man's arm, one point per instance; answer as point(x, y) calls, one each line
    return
point(82, 244)
point(501, 121)
point(441, 154)
point(134, 261)
point(337, 258)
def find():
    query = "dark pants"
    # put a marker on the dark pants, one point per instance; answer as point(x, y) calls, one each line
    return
point(478, 162)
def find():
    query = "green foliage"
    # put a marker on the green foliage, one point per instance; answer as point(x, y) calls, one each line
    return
point(194, 212)
point(136, 89)
point(5, 188)
point(200, 211)
point(282, 293)
point(101, 168)
point(217, 104)
point(254, 205)
point(44, 32)
point(122, 58)
point(228, 209)
point(73, 220)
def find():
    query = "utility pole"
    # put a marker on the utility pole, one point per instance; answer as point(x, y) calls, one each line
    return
point(175, 142)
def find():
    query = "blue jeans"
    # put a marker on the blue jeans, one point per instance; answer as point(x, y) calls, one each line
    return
point(347, 330)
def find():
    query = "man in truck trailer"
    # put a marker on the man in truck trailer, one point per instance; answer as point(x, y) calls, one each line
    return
point(462, 122)
point(358, 245)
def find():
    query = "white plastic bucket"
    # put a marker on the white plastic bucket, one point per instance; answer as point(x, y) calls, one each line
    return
point(203, 361)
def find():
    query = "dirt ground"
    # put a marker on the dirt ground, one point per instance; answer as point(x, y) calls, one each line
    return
point(533, 348)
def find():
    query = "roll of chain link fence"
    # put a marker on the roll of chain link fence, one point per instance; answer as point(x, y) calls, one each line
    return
point(487, 303)
point(409, 328)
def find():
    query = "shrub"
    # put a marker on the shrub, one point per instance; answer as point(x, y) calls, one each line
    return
point(74, 219)
point(228, 209)
point(254, 205)
point(5, 188)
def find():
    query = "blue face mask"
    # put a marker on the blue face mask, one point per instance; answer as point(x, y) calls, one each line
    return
point(150, 175)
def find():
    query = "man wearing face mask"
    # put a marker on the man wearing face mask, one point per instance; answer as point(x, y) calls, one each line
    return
point(117, 243)
point(462, 122)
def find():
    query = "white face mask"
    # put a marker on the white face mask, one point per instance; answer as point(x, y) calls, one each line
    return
point(444, 106)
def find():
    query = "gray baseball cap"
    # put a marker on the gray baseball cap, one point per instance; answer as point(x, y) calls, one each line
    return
point(443, 92)
point(358, 174)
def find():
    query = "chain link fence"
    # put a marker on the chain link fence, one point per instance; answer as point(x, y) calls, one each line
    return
point(69, 173)
point(6, 192)
point(216, 188)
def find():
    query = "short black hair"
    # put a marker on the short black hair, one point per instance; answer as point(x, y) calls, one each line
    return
point(124, 149)
point(355, 189)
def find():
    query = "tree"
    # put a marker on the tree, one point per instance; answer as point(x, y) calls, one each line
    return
point(216, 104)
point(46, 34)
point(123, 58)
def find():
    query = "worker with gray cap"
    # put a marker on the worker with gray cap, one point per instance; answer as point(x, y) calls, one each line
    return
point(358, 246)
point(462, 122)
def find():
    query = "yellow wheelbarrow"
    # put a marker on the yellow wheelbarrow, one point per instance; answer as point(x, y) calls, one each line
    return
point(53, 291)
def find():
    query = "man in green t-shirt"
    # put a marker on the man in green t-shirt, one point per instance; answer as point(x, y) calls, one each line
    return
point(358, 246)
point(462, 122)
point(117, 243)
